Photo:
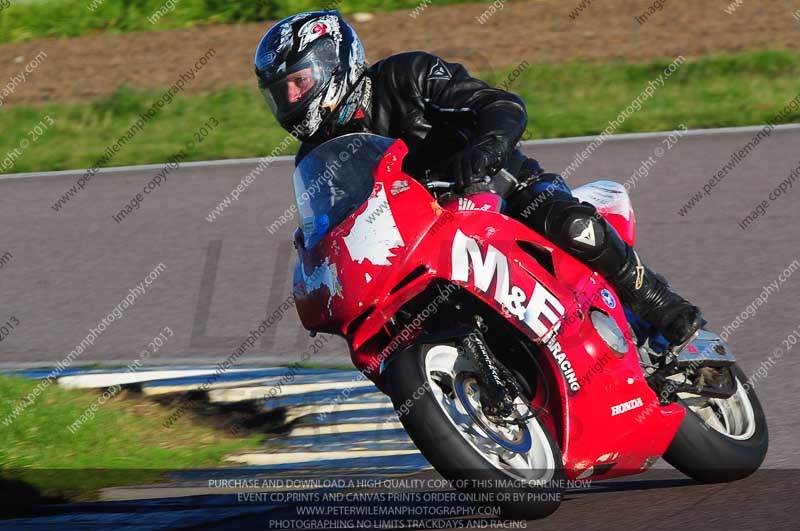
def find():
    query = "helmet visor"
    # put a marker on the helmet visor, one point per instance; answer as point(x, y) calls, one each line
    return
point(302, 82)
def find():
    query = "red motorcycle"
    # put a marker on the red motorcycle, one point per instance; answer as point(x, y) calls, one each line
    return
point(513, 367)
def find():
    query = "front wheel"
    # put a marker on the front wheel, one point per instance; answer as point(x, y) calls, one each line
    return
point(721, 439)
point(517, 468)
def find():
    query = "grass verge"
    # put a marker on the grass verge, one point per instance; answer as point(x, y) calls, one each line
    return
point(125, 443)
point(571, 99)
point(23, 21)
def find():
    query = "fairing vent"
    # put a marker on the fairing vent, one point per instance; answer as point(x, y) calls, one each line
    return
point(418, 272)
point(357, 322)
point(539, 254)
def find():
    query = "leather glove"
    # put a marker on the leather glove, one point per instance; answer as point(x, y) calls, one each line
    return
point(426, 160)
point(472, 164)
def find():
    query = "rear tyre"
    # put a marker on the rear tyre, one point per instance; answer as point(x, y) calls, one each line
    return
point(721, 440)
point(438, 398)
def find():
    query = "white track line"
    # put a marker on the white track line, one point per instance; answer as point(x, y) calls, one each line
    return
point(262, 383)
point(263, 459)
point(331, 429)
point(240, 394)
point(96, 381)
point(301, 411)
point(142, 167)
point(548, 141)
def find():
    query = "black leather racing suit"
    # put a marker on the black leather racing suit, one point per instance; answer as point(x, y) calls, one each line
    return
point(415, 93)
point(437, 108)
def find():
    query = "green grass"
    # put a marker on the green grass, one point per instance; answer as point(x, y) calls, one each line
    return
point(126, 438)
point(24, 21)
point(81, 133)
point(716, 91)
point(571, 99)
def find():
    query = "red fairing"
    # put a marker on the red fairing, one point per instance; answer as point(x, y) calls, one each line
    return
point(603, 411)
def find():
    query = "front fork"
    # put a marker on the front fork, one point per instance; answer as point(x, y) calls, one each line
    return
point(499, 390)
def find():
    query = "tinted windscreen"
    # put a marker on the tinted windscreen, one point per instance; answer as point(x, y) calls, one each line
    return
point(334, 179)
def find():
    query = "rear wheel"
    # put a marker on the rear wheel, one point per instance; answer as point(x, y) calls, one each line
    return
point(435, 389)
point(721, 439)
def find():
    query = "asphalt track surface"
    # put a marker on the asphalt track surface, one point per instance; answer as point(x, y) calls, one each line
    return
point(69, 269)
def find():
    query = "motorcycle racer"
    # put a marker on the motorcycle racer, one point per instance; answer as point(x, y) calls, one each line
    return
point(313, 74)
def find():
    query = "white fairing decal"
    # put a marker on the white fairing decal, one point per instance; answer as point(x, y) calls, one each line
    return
point(466, 250)
point(324, 275)
point(543, 305)
point(541, 312)
point(374, 233)
point(608, 195)
point(626, 406)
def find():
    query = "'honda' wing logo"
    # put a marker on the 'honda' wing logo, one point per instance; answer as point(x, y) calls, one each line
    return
point(624, 407)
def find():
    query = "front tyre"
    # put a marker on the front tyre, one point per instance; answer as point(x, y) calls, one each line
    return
point(721, 439)
point(436, 393)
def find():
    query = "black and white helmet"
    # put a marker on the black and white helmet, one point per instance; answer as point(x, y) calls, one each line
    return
point(308, 65)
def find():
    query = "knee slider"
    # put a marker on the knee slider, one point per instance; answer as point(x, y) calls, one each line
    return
point(578, 228)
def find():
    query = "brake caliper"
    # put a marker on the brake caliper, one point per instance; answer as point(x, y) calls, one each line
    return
point(497, 396)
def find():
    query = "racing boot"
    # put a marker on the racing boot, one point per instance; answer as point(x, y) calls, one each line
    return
point(581, 231)
point(648, 295)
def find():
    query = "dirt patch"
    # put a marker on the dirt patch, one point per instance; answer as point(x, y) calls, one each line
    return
point(89, 67)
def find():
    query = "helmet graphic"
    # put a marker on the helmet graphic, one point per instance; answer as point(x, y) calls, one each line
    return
point(307, 65)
